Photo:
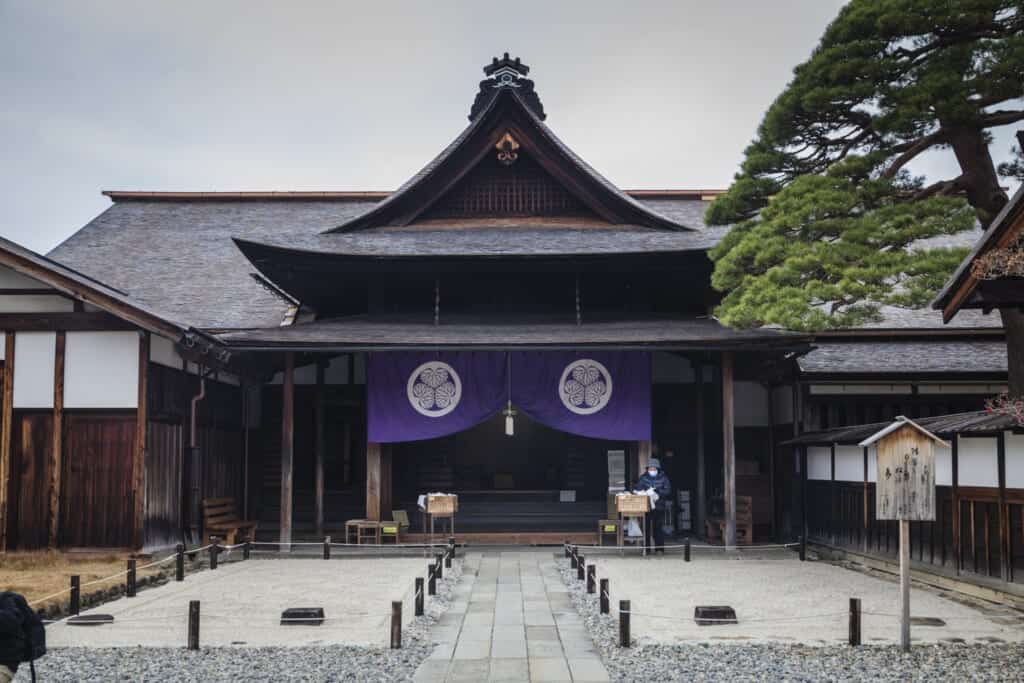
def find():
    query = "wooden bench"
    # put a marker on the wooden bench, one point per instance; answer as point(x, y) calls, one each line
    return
point(220, 518)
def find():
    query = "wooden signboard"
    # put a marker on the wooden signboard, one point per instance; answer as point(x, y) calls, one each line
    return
point(905, 476)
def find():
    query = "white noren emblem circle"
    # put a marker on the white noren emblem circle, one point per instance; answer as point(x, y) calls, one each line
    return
point(585, 386)
point(434, 389)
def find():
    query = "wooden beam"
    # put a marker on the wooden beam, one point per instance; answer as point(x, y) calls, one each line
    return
point(957, 554)
point(139, 459)
point(69, 321)
point(7, 401)
point(320, 445)
point(865, 511)
point(287, 447)
point(771, 461)
point(374, 466)
point(56, 444)
point(1005, 561)
point(699, 509)
point(803, 494)
point(729, 448)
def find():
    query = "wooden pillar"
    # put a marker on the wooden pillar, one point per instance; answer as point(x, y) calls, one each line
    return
point(957, 556)
point(772, 498)
point(7, 400)
point(833, 499)
point(56, 445)
point(320, 445)
point(701, 494)
point(729, 449)
point(866, 511)
point(1005, 561)
point(287, 446)
point(139, 457)
point(378, 481)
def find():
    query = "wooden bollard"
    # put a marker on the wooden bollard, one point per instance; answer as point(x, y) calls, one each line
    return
point(179, 562)
point(565, 547)
point(418, 610)
point(439, 561)
point(246, 549)
point(623, 623)
point(591, 578)
point(214, 548)
point(396, 624)
point(581, 567)
point(75, 602)
point(854, 621)
point(686, 550)
point(129, 586)
point(449, 554)
point(451, 544)
point(574, 558)
point(431, 581)
point(603, 598)
point(803, 549)
point(193, 625)
point(327, 547)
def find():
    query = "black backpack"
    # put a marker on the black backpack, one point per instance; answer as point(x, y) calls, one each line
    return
point(22, 637)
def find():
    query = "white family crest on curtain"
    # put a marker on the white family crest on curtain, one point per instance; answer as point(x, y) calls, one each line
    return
point(434, 389)
point(585, 387)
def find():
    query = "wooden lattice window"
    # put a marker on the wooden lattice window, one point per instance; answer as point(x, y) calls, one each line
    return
point(493, 189)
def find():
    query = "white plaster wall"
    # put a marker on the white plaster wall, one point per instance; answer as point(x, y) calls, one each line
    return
point(873, 463)
point(3, 345)
point(977, 461)
point(819, 463)
point(751, 404)
point(161, 352)
point(11, 279)
point(1014, 460)
point(101, 370)
point(35, 303)
point(943, 465)
point(849, 463)
point(34, 357)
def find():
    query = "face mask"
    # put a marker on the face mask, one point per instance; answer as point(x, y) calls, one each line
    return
point(653, 472)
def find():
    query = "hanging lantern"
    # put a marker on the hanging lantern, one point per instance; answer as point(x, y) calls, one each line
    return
point(509, 420)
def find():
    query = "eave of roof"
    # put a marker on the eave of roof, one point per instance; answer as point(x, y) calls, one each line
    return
point(355, 195)
point(976, 422)
point(1000, 232)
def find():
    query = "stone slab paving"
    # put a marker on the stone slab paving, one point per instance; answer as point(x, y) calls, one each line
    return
point(511, 620)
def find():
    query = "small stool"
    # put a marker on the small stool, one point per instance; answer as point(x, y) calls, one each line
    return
point(368, 531)
point(609, 527)
point(352, 531)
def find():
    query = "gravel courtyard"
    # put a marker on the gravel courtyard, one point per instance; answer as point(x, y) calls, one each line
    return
point(241, 604)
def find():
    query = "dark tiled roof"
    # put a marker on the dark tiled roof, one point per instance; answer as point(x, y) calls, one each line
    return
point(905, 357)
point(977, 422)
point(376, 332)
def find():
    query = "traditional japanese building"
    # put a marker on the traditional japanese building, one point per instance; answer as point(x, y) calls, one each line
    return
point(323, 356)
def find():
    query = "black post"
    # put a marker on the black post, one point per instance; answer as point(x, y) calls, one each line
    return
point(396, 624)
point(213, 552)
point(573, 559)
point(76, 595)
point(179, 562)
point(803, 548)
point(451, 547)
point(604, 599)
point(327, 547)
point(419, 596)
point(565, 547)
point(580, 567)
point(623, 623)
point(129, 588)
point(246, 550)
point(686, 550)
point(591, 578)
point(449, 553)
point(431, 580)
point(193, 625)
point(439, 561)
point(854, 621)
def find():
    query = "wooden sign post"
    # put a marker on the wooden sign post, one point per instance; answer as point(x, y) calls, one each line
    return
point(905, 491)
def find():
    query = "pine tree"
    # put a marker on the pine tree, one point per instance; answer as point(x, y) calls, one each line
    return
point(825, 211)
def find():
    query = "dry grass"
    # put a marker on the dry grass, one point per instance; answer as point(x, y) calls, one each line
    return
point(39, 574)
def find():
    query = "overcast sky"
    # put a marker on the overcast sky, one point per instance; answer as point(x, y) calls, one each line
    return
point(358, 95)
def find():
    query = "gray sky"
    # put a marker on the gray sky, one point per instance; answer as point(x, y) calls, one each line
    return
point(309, 95)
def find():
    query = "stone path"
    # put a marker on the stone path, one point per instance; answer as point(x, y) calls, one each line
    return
point(511, 621)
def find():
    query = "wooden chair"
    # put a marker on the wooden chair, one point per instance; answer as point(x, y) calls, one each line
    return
point(401, 517)
point(744, 521)
point(220, 518)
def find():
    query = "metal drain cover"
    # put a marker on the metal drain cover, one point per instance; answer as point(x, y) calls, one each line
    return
point(926, 621)
point(714, 615)
point(91, 620)
point(302, 616)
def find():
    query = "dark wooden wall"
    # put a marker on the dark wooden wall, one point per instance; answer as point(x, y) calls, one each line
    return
point(28, 499)
point(165, 453)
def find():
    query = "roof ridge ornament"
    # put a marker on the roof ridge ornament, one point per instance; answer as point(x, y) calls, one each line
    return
point(506, 73)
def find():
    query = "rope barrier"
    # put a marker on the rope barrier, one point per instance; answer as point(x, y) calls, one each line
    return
point(808, 617)
point(619, 548)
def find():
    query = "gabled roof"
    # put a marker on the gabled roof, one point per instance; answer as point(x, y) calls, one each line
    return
point(899, 423)
point(507, 112)
point(976, 422)
point(960, 288)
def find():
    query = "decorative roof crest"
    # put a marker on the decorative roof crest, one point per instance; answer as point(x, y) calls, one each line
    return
point(506, 73)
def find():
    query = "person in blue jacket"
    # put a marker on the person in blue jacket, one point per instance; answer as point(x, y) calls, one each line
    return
point(655, 478)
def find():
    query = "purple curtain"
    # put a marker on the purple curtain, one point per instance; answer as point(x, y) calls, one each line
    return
point(425, 395)
point(414, 396)
point(600, 394)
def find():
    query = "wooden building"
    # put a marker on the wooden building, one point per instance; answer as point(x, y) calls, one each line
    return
point(189, 345)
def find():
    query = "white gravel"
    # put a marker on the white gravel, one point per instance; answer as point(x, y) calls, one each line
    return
point(746, 661)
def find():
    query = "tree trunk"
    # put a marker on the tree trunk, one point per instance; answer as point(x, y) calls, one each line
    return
point(1013, 324)
point(978, 172)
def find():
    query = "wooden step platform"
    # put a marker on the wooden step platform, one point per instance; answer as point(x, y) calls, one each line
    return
point(526, 538)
